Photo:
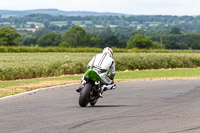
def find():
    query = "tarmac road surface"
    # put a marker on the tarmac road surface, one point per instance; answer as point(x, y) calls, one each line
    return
point(154, 106)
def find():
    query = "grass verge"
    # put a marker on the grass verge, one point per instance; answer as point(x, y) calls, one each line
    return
point(19, 86)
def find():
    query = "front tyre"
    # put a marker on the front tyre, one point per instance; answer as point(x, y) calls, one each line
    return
point(84, 95)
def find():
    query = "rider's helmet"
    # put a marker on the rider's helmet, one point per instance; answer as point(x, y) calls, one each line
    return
point(108, 50)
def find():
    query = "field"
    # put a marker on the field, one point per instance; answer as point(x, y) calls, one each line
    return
point(34, 65)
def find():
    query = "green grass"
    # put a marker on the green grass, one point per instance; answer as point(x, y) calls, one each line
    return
point(168, 73)
point(19, 86)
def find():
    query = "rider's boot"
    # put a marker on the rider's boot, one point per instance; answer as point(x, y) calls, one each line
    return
point(111, 86)
point(83, 81)
point(103, 88)
point(79, 88)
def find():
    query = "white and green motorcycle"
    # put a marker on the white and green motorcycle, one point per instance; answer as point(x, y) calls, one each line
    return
point(92, 89)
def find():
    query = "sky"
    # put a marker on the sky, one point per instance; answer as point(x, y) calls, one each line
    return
point(134, 7)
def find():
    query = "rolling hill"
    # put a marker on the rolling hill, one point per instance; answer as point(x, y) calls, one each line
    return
point(55, 12)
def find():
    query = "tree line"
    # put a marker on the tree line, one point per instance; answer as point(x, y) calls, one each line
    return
point(145, 22)
point(77, 36)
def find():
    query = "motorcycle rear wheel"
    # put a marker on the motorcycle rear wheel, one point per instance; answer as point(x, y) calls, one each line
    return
point(84, 95)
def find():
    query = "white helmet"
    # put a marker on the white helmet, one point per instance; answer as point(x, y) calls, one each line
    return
point(108, 50)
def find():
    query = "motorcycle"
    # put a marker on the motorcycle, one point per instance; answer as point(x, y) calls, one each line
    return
point(92, 90)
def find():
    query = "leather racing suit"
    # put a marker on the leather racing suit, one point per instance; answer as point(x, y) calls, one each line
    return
point(102, 63)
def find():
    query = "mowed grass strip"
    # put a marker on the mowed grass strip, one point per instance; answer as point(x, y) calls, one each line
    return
point(161, 73)
point(19, 86)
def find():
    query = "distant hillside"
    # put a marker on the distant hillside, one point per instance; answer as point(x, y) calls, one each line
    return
point(55, 12)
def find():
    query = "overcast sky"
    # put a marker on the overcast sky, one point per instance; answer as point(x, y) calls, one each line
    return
point(135, 7)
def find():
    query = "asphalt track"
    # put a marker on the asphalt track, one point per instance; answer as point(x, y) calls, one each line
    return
point(166, 106)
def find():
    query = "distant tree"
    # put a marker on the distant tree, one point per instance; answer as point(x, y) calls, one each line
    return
point(182, 45)
point(175, 30)
point(76, 37)
point(69, 22)
point(96, 42)
point(175, 45)
point(111, 41)
point(17, 25)
point(38, 33)
point(50, 39)
point(139, 41)
point(104, 33)
point(30, 41)
point(9, 37)
point(53, 28)
point(157, 45)
point(65, 27)
point(195, 44)
point(32, 25)
point(46, 23)
point(122, 43)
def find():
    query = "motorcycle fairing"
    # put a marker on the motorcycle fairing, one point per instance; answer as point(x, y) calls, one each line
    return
point(92, 75)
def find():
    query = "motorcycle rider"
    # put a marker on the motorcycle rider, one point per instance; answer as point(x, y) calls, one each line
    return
point(102, 63)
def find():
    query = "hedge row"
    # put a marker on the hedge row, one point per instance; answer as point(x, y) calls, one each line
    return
point(20, 49)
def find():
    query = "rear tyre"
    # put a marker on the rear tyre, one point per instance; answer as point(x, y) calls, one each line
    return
point(84, 95)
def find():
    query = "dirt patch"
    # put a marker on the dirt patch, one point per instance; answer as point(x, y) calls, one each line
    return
point(24, 88)
point(43, 84)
